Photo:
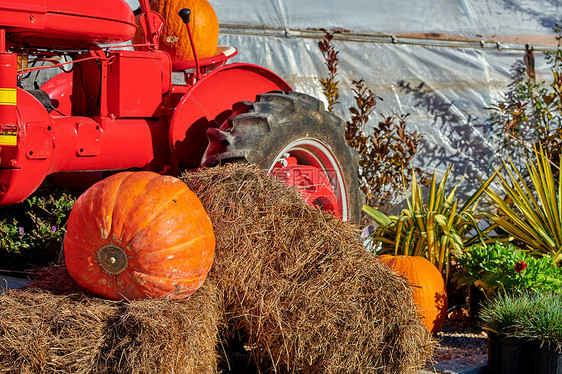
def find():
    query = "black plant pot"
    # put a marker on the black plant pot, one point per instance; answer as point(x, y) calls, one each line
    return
point(548, 359)
point(508, 355)
point(475, 297)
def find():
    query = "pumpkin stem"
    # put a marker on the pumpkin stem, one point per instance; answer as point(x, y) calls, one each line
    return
point(112, 259)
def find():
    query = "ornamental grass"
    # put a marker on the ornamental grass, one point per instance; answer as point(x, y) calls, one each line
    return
point(528, 210)
point(530, 316)
point(436, 228)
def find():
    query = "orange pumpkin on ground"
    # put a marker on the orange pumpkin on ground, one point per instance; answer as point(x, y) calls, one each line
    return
point(139, 235)
point(174, 38)
point(428, 285)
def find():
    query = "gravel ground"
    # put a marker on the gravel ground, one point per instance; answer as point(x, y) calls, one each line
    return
point(462, 347)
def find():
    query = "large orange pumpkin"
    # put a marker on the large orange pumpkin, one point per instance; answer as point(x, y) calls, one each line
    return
point(174, 38)
point(139, 235)
point(429, 289)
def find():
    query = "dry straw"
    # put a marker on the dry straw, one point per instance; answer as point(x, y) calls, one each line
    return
point(295, 289)
point(300, 291)
point(57, 332)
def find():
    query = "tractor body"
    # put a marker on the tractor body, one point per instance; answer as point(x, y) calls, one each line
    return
point(115, 106)
point(111, 108)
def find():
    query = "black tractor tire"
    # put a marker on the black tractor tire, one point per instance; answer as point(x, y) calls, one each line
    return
point(262, 132)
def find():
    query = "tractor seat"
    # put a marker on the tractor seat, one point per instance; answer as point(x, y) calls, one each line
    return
point(222, 54)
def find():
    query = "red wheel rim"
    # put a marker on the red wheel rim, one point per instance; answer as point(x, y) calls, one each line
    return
point(309, 165)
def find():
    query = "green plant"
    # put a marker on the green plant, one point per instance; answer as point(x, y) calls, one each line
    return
point(536, 316)
point(532, 111)
point(530, 214)
point(330, 84)
point(434, 229)
point(31, 232)
point(498, 268)
point(544, 323)
point(385, 150)
point(502, 314)
point(384, 153)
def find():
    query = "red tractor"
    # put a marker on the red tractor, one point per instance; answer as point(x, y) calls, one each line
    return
point(113, 108)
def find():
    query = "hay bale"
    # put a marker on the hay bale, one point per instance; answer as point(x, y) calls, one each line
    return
point(44, 332)
point(297, 285)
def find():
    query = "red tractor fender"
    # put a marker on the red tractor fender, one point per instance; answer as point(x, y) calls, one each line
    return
point(208, 103)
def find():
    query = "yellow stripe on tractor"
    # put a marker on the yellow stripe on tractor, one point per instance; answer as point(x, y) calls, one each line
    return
point(8, 96)
point(10, 139)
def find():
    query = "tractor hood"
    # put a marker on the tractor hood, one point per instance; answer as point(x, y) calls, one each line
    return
point(67, 23)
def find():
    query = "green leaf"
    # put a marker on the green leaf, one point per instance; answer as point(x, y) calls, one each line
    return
point(380, 218)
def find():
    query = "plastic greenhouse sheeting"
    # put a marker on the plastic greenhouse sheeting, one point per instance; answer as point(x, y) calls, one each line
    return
point(440, 61)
